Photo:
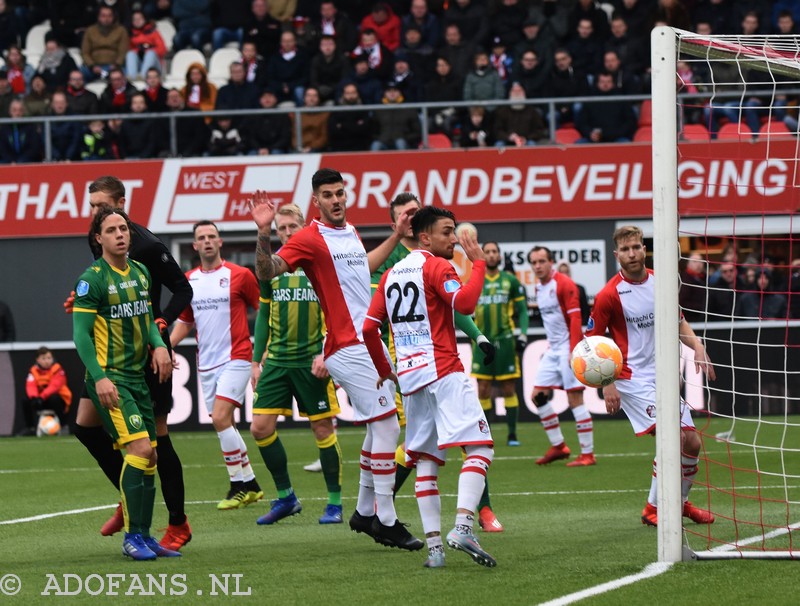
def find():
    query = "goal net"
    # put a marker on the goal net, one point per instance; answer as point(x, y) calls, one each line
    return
point(726, 219)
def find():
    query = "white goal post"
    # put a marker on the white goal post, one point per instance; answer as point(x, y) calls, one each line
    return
point(778, 59)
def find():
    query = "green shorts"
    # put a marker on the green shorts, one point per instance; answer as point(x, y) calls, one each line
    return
point(316, 398)
point(133, 418)
point(505, 365)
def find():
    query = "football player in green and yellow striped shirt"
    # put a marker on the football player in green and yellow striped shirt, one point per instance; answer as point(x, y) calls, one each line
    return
point(290, 328)
point(113, 327)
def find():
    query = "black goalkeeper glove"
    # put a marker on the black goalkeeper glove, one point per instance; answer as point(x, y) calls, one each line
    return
point(521, 341)
point(487, 348)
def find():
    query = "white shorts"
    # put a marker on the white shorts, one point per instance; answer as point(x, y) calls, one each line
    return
point(352, 369)
point(442, 415)
point(555, 372)
point(639, 404)
point(227, 382)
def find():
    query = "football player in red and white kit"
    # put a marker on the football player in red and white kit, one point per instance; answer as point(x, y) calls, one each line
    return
point(626, 307)
point(418, 296)
point(559, 306)
point(222, 293)
point(334, 259)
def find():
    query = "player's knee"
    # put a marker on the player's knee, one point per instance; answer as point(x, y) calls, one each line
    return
point(480, 452)
point(262, 427)
point(143, 449)
point(542, 397)
point(322, 429)
point(691, 443)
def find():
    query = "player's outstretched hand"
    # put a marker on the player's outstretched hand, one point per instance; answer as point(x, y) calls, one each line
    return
point(318, 368)
point(162, 364)
point(612, 399)
point(262, 209)
point(468, 239)
point(69, 303)
point(702, 363)
point(390, 377)
point(107, 393)
point(488, 349)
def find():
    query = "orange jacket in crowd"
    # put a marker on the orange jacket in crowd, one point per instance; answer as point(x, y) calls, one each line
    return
point(43, 383)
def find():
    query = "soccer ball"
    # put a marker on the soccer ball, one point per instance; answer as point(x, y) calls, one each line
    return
point(596, 361)
point(49, 425)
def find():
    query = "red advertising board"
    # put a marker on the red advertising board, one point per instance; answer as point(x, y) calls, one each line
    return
point(528, 184)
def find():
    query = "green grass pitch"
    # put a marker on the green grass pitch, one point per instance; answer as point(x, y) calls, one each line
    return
point(567, 530)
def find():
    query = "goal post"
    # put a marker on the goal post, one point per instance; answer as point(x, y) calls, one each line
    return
point(745, 148)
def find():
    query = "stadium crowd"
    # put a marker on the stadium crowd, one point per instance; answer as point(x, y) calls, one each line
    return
point(137, 57)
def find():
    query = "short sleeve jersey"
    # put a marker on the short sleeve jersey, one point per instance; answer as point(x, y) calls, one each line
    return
point(121, 303)
point(295, 320)
point(219, 311)
point(495, 309)
point(335, 262)
point(558, 300)
point(417, 295)
point(627, 309)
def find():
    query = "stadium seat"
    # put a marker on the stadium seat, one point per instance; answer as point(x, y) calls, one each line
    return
point(646, 113)
point(167, 31)
point(695, 132)
point(439, 141)
point(76, 55)
point(775, 129)
point(220, 62)
point(567, 135)
point(735, 131)
point(34, 43)
point(180, 64)
point(643, 133)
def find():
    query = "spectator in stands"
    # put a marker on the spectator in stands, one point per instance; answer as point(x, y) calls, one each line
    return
point(331, 22)
point(538, 36)
point(225, 139)
point(608, 121)
point(761, 9)
point(531, 74)
point(505, 21)
point(155, 94)
point(472, 21)
point(18, 70)
point(6, 94)
point(591, 11)
point(199, 93)
point(10, 27)
point(147, 48)
point(421, 56)
point(137, 137)
point(116, 98)
point(794, 290)
point(328, 68)
point(674, 14)
point(56, 64)
point(385, 24)
point(729, 255)
point(268, 134)
point(229, 22)
point(501, 60)
point(69, 20)
point(81, 100)
point(104, 45)
point(407, 81)
point(723, 292)
point(585, 48)
point(97, 142)
point(444, 86)
point(37, 102)
point(369, 87)
point(626, 82)
point(238, 93)
point(564, 268)
point(566, 81)
point(762, 301)
point(282, 10)
point(518, 125)
point(305, 34)
point(192, 23)
point(45, 389)
point(749, 25)
point(459, 54)
point(287, 70)
point(19, 142)
point(692, 295)
point(631, 52)
point(477, 130)
point(426, 22)
point(254, 65)
point(313, 126)
point(379, 57)
point(191, 133)
point(350, 130)
point(719, 13)
point(398, 129)
point(785, 23)
point(482, 82)
point(637, 15)
point(65, 137)
point(262, 29)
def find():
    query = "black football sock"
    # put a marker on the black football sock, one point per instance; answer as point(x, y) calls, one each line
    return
point(101, 447)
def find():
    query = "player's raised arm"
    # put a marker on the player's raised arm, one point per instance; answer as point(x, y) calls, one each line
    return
point(262, 210)
point(702, 362)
